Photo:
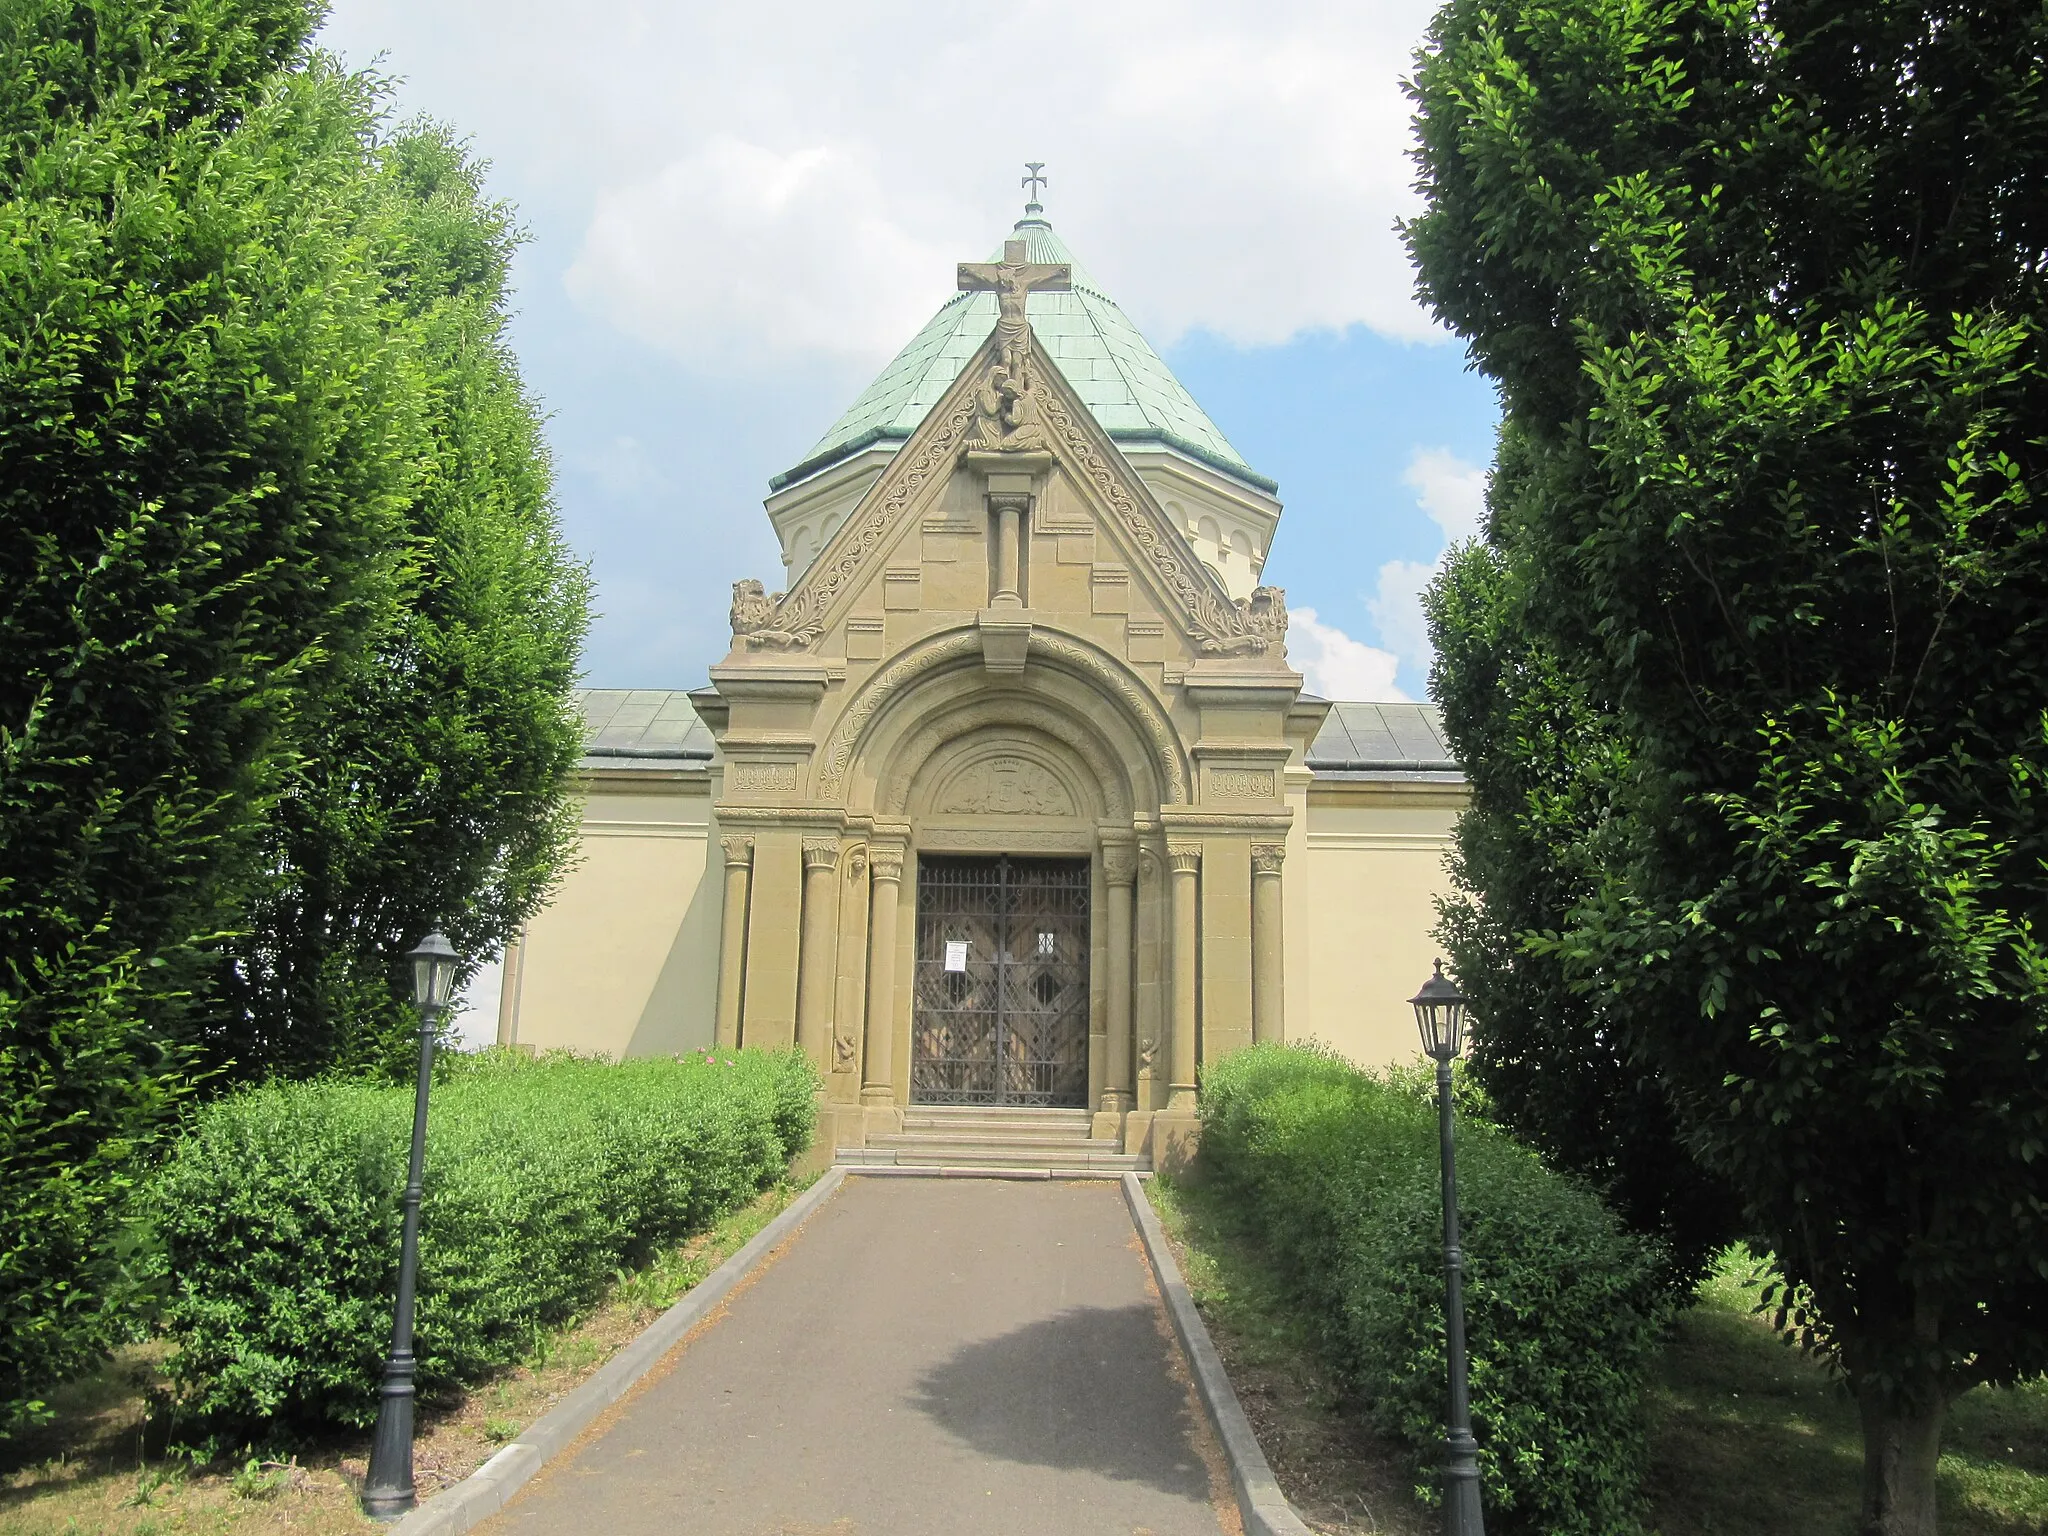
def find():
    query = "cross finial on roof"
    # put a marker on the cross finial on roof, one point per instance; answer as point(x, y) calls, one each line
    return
point(1033, 182)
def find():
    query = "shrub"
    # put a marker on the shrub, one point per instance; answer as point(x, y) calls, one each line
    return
point(1336, 1172)
point(277, 1216)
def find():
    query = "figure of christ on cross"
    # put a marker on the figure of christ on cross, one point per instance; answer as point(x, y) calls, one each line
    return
point(1012, 280)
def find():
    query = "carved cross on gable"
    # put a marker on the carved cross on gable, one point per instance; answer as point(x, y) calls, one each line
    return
point(1012, 280)
point(1015, 273)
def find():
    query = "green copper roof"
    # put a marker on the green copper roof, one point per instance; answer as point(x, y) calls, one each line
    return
point(1133, 394)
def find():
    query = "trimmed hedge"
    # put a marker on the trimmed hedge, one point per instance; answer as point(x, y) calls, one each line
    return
point(278, 1216)
point(1336, 1171)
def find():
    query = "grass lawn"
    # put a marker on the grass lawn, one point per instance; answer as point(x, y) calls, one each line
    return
point(103, 1465)
point(1747, 1436)
point(1341, 1478)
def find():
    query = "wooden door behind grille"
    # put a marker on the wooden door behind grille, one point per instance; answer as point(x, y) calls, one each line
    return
point(1008, 1024)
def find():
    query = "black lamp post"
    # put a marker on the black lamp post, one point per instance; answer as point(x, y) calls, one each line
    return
point(1440, 1015)
point(388, 1490)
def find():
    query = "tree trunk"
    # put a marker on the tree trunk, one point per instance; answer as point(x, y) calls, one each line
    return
point(1900, 1448)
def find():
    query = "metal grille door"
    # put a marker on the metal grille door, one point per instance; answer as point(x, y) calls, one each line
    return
point(1001, 1011)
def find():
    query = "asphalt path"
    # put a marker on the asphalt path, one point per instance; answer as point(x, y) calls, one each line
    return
point(925, 1355)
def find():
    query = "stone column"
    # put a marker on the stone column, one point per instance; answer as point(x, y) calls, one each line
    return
point(1120, 874)
point(1268, 955)
point(1009, 510)
point(732, 935)
point(1185, 859)
point(815, 971)
point(885, 877)
point(508, 990)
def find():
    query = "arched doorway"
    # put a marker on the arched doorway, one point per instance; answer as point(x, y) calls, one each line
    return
point(1000, 996)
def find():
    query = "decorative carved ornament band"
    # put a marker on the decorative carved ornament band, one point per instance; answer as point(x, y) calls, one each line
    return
point(1218, 626)
point(794, 621)
point(757, 777)
point(1010, 713)
point(1241, 783)
point(1091, 665)
point(879, 689)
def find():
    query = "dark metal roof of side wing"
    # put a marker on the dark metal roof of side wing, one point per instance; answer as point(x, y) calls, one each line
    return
point(658, 728)
point(1383, 741)
point(642, 728)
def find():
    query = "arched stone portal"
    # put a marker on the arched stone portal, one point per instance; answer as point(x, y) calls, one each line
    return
point(1006, 653)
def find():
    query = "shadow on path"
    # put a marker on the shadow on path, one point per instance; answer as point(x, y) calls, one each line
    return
point(1094, 1389)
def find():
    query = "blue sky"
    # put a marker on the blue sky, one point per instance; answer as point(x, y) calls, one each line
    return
point(737, 216)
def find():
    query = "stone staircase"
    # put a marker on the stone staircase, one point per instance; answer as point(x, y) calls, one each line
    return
point(985, 1139)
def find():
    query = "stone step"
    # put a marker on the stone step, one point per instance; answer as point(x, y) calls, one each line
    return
point(1037, 1144)
point(981, 1135)
point(993, 1114)
point(938, 1154)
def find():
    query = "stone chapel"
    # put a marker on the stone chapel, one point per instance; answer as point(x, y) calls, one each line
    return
point(1010, 800)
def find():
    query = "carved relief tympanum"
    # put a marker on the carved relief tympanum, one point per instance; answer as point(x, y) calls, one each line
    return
point(1006, 786)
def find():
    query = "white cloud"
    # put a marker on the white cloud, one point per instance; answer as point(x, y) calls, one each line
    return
point(1453, 493)
point(1337, 666)
point(738, 255)
point(1396, 609)
point(803, 176)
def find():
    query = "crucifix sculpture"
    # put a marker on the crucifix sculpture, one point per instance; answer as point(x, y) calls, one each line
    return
point(1012, 280)
point(1008, 418)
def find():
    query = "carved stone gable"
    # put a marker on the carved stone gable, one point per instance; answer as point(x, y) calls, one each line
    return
point(990, 407)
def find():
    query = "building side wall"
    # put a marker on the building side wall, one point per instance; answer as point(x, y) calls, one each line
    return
point(1371, 866)
point(624, 960)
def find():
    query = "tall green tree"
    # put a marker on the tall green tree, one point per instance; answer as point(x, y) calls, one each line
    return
point(1531, 845)
point(432, 793)
point(283, 610)
point(203, 457)
point(1762, 286)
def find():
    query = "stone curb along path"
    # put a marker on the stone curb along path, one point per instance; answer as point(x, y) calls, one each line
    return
point(1264, 1507)
point(491, 1486)
point(484, 1492)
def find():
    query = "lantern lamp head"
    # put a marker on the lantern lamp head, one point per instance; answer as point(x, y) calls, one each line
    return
point(1440, 1015)
point(433, 971)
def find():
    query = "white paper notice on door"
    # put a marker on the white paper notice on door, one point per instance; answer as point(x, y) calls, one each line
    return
point(956, 954)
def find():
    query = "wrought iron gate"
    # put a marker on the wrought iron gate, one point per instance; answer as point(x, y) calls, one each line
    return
point(1001, 999)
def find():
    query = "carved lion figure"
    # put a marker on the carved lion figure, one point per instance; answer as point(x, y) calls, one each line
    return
point(1265, 613)
point(752, 607)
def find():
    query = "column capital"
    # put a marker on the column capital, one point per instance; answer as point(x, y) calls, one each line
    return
point(821, 853)
point(885, 862)
point(1119, 863)
point(1184, 858)
point(739, 849)
point(1268, 857)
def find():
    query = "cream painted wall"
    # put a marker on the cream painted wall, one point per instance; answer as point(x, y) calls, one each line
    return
point(1358, 925)
point(624, 960)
